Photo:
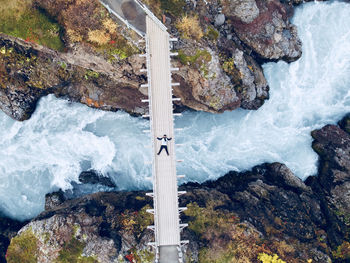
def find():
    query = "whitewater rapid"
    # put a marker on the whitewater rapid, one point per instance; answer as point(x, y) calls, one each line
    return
point(62, 139)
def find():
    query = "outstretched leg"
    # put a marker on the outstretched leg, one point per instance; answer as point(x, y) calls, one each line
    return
point(160, 150)
point(166, 149)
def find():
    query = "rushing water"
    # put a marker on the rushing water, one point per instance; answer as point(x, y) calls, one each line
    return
point(62, 138)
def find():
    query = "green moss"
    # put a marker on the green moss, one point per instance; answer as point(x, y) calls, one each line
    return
point(212, 33)
point(46, 237)
point(205, 217)
point(143, 218)
point(34, 26)
point(204, 257)
point(63, 65)
point(118, 49)
point(173, 7)
point(201, 57)
point(23, 248)
point(71, 252)
point(91, 74)
point(142, 256)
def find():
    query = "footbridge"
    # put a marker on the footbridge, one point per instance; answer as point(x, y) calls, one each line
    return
point(167, 227)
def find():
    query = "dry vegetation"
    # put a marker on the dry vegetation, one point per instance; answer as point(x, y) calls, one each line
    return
point(189, 27)
point(88, 22)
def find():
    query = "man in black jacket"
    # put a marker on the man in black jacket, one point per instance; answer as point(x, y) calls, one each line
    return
point(164, 145)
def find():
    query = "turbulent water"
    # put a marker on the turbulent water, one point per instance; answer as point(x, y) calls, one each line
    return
point(62, 139)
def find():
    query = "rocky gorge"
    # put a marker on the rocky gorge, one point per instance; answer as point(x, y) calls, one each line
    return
point(252, 216)
point(241, 217)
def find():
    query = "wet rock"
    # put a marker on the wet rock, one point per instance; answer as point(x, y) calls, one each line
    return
point(94, 177)
point(53, 200)
point(8, 229)
point(332, 144)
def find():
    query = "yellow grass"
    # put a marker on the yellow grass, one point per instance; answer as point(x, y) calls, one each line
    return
point(74, 36)
point(189, 27)
point(99, 37)
point(110, 25)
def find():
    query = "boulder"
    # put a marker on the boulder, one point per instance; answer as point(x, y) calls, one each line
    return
point(94, 177)
point(264, 26)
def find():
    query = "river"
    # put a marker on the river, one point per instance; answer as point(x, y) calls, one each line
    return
point(62, 138)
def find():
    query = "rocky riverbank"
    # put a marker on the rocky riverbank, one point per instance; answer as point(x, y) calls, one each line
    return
point(220, 50)
point(242, 217)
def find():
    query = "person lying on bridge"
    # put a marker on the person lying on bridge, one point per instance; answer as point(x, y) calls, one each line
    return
point(164, 145)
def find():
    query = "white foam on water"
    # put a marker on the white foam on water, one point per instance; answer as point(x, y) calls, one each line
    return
point(44, 154)
point(61, 139)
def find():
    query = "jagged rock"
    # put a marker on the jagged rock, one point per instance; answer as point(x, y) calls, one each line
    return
point(102, 227)
point(231, 78)
point(34, 71)
point(332, 143)
point(244, 10)
point(265, 209)
point(264, 26)
point(94, 177)
point(52, 200)
point(268, 192)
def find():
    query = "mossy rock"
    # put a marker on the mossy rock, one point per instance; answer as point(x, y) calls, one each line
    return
point(72, 252)
point(23, 248)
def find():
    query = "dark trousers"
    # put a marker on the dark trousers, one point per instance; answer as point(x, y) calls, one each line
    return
point(163, 147)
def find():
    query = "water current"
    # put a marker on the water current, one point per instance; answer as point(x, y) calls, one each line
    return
point(62, 138)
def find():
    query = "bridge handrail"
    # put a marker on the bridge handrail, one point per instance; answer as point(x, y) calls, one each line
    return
point(150, 14)
point(110, 10)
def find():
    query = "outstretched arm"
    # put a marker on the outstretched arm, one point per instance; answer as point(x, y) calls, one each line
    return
point(169, 139)
point(159, 138)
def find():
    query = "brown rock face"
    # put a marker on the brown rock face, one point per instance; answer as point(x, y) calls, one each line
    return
point(264, 26)
point(219, 70)
point(32, 71)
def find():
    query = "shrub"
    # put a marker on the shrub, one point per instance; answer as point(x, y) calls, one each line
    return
point(343, 251)
point(266, 258)
point(71, 252)
point(99, 37)
point(212, 33)
point(189, 27)
point(74, 36)
point(110, 25)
